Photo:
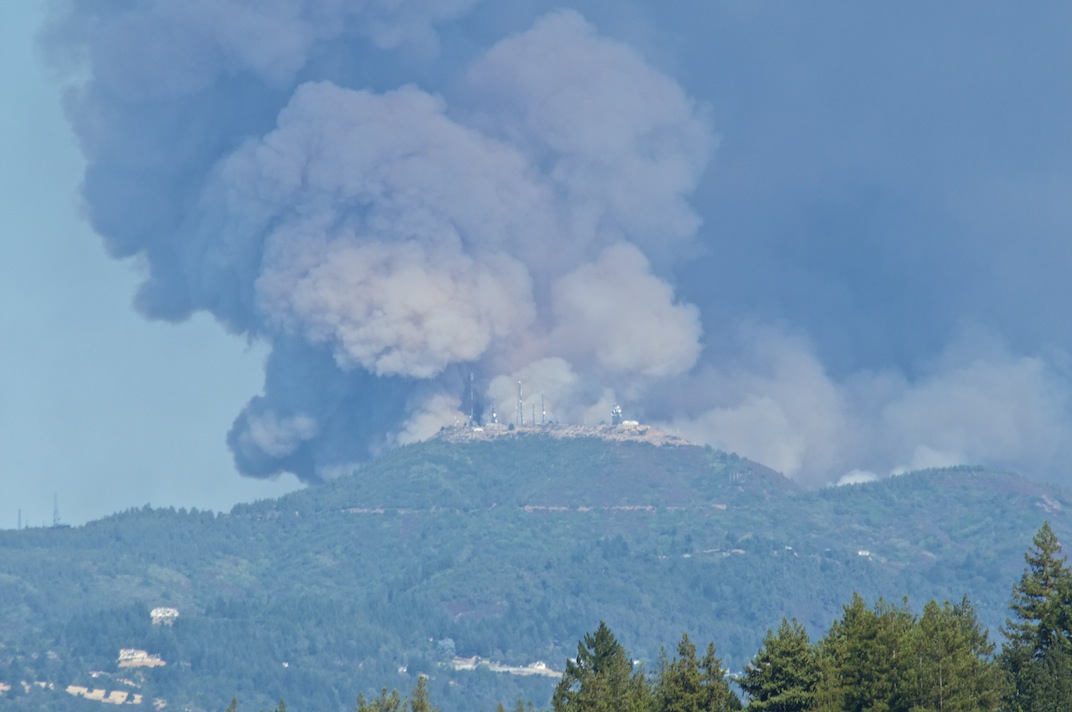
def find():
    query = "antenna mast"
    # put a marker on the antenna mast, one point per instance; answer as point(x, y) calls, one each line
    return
point(55, 509)
point(520, 405)
point(472, 401)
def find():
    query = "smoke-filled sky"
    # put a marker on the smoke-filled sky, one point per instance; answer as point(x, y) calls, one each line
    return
point(829, 237)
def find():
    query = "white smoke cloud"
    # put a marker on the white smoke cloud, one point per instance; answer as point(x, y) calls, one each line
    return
point(388, 168)
point(551, 385)
point(389, 192)
point(394, 309)
point(615, 314)
point(777, 405)
point(976, 405)
point(277, 436)
point(429, 416)
point(621, 141)
point(856, 477)
point(991, 408)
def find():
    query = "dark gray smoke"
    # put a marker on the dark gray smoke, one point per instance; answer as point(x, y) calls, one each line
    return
point(396, 194)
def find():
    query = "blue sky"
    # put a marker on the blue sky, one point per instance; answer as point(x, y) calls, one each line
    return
point(832, 238)
point(98, 406)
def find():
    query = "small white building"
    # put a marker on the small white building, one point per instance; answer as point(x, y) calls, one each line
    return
point(132, 657)
point(164, 616)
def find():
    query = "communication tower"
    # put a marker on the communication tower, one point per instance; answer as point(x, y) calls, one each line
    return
point(520, 405)
point(472, 401)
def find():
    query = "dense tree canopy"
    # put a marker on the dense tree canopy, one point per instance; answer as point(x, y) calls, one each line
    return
point(600, 678)
point(881, 658)
point(785, 672)
point(688, 684)
point(951, 667)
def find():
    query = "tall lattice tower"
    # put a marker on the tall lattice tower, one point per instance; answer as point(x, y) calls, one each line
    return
point(472, 401)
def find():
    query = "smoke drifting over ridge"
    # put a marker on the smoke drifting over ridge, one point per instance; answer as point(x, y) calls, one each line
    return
point(522, 213)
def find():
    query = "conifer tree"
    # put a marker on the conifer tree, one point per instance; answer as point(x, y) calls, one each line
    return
point(521, 706)
point(952, 668)
point(1045, 685)
point(863, 659)
point(420, 701)
point(784, 674)
point(601, 678)
point(1037, 655)
point(386, 702)
point(688, 684)
point(1040, 601)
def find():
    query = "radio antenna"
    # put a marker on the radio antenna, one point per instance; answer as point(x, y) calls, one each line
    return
point(472, 400)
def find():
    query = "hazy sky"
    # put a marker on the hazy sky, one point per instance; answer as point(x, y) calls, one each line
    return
point(831, 237)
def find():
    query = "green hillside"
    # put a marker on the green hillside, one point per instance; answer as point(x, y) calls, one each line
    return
point(509, 550)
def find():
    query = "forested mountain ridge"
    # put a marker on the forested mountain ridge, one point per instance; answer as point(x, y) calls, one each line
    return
point(508, 550)
point(540, 470)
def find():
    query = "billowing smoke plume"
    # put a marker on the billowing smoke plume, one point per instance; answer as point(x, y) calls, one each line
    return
point(318, 175)
point(388, 236)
